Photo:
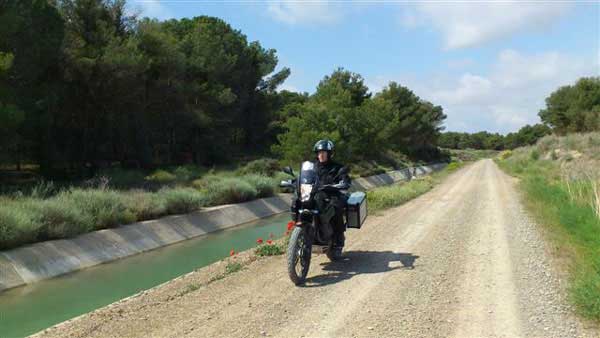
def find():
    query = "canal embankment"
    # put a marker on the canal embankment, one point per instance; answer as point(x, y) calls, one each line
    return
point(32, 263)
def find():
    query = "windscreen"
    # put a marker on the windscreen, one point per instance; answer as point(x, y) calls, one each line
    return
point(308, 174)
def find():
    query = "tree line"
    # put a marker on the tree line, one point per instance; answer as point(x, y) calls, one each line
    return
point(84, 84)
point(569, 109)
point(527, 135)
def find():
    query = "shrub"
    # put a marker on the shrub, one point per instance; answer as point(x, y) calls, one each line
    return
point(145, 205)
point(106, 207)
point(263, 166)
point(233, 267)
point(123, 178)
point(59, 218)
point(187, 173)
point(505, 154)
point(182, 200)
point(43, 189)
point(229, 190)
point(265, 186)
point(162, 177)
point(453, 166)
point(270, 249)
point(17, 226)
point(389, 196)
point(534, 155)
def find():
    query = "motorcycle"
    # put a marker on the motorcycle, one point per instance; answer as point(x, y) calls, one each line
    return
point(309, 231)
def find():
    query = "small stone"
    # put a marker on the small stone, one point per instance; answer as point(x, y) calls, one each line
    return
point(263, 333)
point(369, 328)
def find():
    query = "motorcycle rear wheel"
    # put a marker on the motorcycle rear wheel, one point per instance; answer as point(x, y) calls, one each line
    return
point(298, 255)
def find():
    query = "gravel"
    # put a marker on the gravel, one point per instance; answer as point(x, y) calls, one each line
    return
point(463, 260)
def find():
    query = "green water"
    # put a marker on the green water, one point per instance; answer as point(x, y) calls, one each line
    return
point(32, 308)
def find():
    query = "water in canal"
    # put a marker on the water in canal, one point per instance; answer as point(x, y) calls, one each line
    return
point(29, 309)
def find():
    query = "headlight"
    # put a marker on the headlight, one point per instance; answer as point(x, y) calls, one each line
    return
point(305, 190)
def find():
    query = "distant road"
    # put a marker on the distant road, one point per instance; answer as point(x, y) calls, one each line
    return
point(463, 260)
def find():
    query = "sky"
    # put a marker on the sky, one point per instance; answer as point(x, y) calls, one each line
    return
point(490, 65)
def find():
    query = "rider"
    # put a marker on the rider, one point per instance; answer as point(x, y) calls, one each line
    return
point(332, 210)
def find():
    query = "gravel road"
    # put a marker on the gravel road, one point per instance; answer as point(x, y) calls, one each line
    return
point(463, 260)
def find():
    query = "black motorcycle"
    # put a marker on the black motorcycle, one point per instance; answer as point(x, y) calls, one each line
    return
point(309, 231)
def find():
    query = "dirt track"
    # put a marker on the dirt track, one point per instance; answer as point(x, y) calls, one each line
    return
point(463, 260)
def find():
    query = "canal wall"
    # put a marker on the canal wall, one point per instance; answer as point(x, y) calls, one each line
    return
point(38, 261)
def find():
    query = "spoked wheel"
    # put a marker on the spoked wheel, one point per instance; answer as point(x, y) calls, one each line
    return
point(298, 255)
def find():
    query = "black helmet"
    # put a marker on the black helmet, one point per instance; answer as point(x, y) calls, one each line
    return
point(326, 145)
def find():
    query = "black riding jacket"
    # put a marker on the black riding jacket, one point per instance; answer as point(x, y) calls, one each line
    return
point(327, 173)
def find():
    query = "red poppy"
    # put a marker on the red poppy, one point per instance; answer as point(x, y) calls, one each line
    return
point(232, 252)
point(269, 242)
point(271, 235)
point(259, 240)
point(287, 232)
point(290, 225)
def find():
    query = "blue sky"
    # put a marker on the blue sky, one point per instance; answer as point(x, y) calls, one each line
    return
point(489, 64)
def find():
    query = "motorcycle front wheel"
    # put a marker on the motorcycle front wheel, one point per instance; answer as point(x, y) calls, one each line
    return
point(298, 255)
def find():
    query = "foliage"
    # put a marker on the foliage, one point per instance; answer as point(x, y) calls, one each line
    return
point(562, 192)
point(162, 177)
point(265, 186)
point(263, 166)
point(527, 135)
point(83, 84)
point(574, 108)
point(362, 127)
point(394, 195)
point(233, 267)
point(270, 249)
point(182, 200)
point(224, 190)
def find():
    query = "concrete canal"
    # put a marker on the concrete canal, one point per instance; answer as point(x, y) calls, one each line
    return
point(29, 309)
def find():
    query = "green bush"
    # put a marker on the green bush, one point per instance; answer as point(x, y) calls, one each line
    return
point(187, 173)
point(393, 195)
point(17, 226)
point(43, 189)
point(182, 200)
point(105, 207)
point(229, 190)
point(452, 166)
point(534, 155)
point(505, 154)
point(123, 178)
point(59, 218)
point(263, 166)
point(161, 177)
point(265, 186)
point(145, 205)
point(273, 249)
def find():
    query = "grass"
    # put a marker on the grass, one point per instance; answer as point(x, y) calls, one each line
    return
point(559, 180)
point(272, 249)
point(116, 196)
point(393, 195)
point(46, 211)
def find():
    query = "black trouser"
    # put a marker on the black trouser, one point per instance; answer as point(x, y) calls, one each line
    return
point(332, 211)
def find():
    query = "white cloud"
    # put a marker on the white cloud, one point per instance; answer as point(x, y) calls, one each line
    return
point(152, 9)
point(468, 24)
point(297, 12)
point(471, 88)
point(506, 97)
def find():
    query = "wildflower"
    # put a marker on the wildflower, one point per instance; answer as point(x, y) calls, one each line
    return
point(269, 242)
point(271, 235)
point(287, 232)
point(259, 240)
point(232, 252)
point(290, 225)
